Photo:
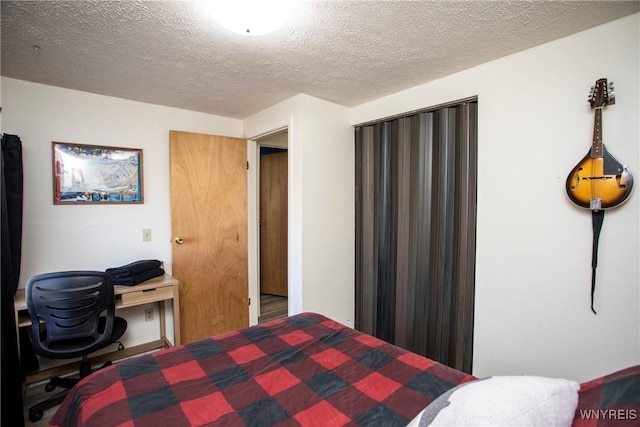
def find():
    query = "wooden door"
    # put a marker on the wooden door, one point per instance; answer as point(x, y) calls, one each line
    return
point(209, 232)
point(273, 223)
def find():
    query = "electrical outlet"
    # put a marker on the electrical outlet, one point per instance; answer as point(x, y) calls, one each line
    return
point(146, 235)
point(148, 315)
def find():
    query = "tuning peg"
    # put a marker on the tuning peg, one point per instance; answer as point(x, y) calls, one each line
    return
point(612, 94)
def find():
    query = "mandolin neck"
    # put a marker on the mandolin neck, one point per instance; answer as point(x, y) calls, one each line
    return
point(596, 145)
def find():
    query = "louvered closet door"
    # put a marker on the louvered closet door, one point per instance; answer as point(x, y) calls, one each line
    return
point(415, 231)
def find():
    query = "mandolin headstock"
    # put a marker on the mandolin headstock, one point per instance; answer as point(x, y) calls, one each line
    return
point(602, 94)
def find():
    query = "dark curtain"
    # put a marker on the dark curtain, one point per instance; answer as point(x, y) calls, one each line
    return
point(415, 231)
point(11, 164)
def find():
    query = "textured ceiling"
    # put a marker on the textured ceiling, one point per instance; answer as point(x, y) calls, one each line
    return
point(347, 52)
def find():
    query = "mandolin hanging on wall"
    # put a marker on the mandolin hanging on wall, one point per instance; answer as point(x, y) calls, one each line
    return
point(599, 181)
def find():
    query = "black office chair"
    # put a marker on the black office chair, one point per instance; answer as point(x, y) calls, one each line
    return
point(72, 315)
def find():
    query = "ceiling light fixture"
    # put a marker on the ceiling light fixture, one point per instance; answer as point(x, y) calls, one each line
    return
point(251, 17)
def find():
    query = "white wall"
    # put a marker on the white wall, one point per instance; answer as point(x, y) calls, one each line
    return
point(100, 236)
point(328, 211)
point(321, 204)
point(533, 275)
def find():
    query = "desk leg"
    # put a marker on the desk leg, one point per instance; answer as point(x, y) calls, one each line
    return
point(176, 315)
point(163, 327)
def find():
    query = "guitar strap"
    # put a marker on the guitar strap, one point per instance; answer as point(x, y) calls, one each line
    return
point(597, 218)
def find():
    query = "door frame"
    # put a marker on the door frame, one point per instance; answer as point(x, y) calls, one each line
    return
point(253, 194)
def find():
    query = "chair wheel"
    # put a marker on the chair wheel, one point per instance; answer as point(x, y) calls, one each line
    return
point(49, 387)
point(35, 416)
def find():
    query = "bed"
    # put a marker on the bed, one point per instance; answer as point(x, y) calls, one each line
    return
point(302, 370)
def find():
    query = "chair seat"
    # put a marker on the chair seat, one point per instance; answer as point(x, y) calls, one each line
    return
point(119, 328)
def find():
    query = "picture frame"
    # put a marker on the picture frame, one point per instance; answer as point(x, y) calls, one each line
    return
point(96, 174)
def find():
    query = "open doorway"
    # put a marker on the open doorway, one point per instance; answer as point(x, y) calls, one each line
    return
point(273, 224)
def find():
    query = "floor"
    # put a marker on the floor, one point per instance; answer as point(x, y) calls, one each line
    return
point(35, 393)
point(272, 307)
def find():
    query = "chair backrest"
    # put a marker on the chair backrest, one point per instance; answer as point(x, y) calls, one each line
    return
point(69, 305)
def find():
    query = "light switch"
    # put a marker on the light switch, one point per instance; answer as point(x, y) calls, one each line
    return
point(146, 235)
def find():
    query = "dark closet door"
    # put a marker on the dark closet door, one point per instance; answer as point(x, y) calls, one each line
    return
point(415, 231)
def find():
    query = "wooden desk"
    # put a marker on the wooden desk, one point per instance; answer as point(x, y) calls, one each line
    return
point(159, 289)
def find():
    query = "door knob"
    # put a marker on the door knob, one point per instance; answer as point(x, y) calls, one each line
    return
point(179, 240)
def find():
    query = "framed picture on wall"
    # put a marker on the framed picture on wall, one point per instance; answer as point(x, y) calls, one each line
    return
point(94, 174)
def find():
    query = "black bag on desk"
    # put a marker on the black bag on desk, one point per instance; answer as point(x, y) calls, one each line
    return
point(136, 272)
point(134, 268)
point(138, 278)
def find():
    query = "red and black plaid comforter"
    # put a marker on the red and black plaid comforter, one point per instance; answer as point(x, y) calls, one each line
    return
point(610, 401)
point(304, 370)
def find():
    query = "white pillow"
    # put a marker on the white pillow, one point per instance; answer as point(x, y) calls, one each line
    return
point(504, 401)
